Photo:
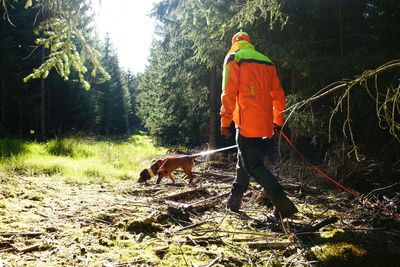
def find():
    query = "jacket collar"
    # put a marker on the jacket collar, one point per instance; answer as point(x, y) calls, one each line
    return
point(240, 45)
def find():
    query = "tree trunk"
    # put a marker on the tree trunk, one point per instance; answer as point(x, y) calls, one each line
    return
point(48, 113)
point(20, 117)
point(212, 139)
point(340, 37)
point(42, 106)
point(296, 81)
point(127, 123)
point(3, 103)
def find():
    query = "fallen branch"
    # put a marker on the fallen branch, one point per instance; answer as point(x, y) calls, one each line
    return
point(345, 84)
point(316, 227)
point(32, 248)
point(270, 244)
point(241, 250)
point(194, 205)
point(205, 231)
point(379, 189)
point(185, 194)
point(120, 264)
point(30, 234)
point(246, 239)
point(178, 205)
point(214, 261)
point(144, 191)
point(192, 226)
point(161, 250)
point(324, 223)
point(215, 240)
point(209, 199)
point(215, 174)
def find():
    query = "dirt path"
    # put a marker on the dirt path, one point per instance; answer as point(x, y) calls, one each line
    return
point(50, 223)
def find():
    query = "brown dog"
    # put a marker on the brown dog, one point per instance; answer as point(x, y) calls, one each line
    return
point(166, 166)
point(146, 174)
point(186, 163)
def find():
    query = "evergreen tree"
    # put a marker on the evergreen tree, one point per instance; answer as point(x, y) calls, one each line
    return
point(132, 83)
point(112, 95)
point(18, 108)
point(173, 99)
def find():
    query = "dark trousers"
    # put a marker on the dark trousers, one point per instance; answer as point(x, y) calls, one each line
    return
point(251, 155)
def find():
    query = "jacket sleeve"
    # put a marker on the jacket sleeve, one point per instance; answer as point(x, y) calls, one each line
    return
point(230, 85)
point(278, 99)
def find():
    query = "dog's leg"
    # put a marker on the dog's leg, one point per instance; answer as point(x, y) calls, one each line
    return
point(189, 175)
point(160, 176)
point(171, 177)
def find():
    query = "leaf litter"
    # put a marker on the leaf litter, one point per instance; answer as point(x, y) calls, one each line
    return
point(45, 222)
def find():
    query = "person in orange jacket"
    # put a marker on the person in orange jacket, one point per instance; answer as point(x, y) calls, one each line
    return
point(253, 99)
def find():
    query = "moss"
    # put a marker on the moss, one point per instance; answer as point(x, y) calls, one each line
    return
point(332, 233)
point(105, 217)
point(33, 196)
point(2, 205)
point(98, 249)
point(338, 247)
point(137, 226)
point(339, 253)
point(106, 242)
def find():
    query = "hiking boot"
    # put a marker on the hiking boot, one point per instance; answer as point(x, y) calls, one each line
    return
point(234, 202)
point(284, 208)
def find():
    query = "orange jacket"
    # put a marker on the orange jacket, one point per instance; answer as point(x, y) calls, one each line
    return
point(252, 95)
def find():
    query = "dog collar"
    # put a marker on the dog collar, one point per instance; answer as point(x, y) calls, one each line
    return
point(151, 172)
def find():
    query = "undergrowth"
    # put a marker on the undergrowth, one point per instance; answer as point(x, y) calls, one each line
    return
point(83, 160)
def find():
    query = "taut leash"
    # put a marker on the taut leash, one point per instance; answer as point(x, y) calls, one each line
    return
point(335, 182)
point(204, 153)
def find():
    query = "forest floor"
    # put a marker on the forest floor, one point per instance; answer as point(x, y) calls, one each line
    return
point(47, 222)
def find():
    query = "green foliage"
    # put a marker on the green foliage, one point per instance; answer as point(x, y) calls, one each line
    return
point(11, 147)
point(64, 31)
point(66, 109)
point(253, 11)
point(79, 160)
point(113, 97)
point(173, 98)
point(28, 3)
point(299, 38)
point(68, 148)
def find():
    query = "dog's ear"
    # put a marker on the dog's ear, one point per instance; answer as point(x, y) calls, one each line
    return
point(157, 164)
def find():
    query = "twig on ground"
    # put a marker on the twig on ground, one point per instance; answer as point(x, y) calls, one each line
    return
point(270, 244)
point(380, 189)
point(326, 210)
point(205, 231)
point(215, 174)
point(192, 226)
point(241, 250)
point(269, 259)
point(186, 193)
point(214, 261)
point(31, 248)
point(183, 254)
point(209, 199)
point(30, 234)
point(316, 227)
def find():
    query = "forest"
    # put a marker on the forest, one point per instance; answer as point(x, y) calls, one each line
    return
point(338, 62)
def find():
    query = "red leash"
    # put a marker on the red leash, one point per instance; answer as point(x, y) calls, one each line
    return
point(335, 182)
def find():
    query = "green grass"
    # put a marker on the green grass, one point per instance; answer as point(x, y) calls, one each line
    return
point(81, 160)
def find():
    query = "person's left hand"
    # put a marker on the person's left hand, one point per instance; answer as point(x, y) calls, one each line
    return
point(225, 132)
point(277, 129)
